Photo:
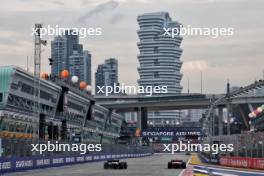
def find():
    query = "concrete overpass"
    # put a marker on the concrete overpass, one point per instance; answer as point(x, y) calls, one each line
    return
point(126, 103)
point(142, 103)
point(239, 102)
point(157, 102)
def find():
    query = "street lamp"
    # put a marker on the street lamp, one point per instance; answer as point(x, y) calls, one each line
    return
point(262, 148)
point(228, 121)
point(232, 119)
point(245, 148)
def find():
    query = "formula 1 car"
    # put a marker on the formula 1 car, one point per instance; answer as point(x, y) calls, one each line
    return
point(176, 164)
point(115, 164)
point(187, 153)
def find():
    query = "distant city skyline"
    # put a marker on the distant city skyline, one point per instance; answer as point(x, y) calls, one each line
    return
point(106, 75)
point(68, 54)
point(238, 58)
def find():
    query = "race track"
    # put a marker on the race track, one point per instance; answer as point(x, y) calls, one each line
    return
point(155, 165)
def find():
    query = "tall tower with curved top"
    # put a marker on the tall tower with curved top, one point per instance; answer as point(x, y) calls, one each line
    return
point(159, 60)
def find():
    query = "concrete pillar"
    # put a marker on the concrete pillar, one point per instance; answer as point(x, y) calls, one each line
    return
point(244, 116)
point(138, 110)
point(213, 122)
point(142, 115)
point(211, 115)
point(220, 121)
point(144, 118)
point(229, 110)
point(139, 123)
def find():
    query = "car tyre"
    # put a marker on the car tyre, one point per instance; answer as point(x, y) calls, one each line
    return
point(125, 165)
point(121, 166)
point(169, 165)
point(115, 166)
point(106, 166)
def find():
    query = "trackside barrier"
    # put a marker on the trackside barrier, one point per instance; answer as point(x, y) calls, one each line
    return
point(15, 164)
point(243, 162)
point(206, 159)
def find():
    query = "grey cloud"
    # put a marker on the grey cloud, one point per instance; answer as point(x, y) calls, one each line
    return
point(9, 41)
point(24, 0)
point(85, 2)
point(58, 3)
point(239, 58)
point(108, 6)
point(116, 18)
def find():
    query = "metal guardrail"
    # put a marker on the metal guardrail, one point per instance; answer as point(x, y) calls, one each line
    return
point(17, 155)
point(15, 164)
point(22, 148)
point(250, 144)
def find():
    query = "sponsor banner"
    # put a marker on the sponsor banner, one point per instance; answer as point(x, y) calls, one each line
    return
point(6, 165)
point(43, 162)
point(171, 132)
point(205, 159)
point(80, 159)
point(88, 158)
point(102, 157)
point(243, 162)
point(59, 161)
point(96, 157)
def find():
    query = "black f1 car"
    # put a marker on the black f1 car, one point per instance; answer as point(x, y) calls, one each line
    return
point(176, 164)
point(115, 164)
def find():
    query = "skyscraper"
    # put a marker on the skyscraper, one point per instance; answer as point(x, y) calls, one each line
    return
point(159, 60)
point(88, 67)
point(58, 54)
point(193, 115)
point(68, 54)
point(99, 77)
point(80, 65)
point(106, 74)
point(111, 71)
point(72, 44)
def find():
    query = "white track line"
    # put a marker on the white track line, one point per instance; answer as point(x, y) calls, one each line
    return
point(186, 166)
point(220, 174)
point(234, 170)
point(201, 171)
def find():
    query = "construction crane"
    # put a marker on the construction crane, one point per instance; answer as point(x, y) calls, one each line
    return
point(37, 69)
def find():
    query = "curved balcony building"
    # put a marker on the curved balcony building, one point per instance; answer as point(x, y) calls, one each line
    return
point(159, 60)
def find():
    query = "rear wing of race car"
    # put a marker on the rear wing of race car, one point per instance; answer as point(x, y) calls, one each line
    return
point(113, 161)
point(176, 160)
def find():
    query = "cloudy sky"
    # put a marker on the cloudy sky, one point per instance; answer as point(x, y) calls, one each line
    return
point(238, 58)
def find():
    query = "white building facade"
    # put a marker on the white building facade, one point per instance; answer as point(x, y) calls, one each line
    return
point(159, 61)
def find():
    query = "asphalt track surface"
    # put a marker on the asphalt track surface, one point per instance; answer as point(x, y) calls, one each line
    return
point(155, 165)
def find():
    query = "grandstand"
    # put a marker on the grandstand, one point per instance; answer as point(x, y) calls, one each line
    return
point(66, 112)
